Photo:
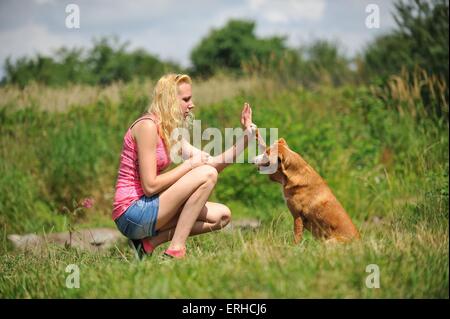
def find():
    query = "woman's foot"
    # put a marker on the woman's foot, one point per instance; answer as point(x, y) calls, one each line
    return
point(148, 246)
point(141, 247)
point(175, 253)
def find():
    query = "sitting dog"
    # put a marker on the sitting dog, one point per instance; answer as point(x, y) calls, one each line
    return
point(307, 195)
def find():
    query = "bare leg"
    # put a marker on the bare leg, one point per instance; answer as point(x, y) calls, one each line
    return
point(189, 194)
point(176, 196)
point(213, 216)
point(190, 213)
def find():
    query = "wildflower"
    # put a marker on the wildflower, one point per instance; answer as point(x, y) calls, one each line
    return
point(87, 202)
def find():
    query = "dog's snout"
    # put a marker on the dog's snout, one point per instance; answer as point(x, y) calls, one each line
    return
point(260, 160)
point(257, 159)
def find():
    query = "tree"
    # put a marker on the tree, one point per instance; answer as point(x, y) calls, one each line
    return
point(107, 61)
point(231, 46)
point(324, 60)
point(421, 39)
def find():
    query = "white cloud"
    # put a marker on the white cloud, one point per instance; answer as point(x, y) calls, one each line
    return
point(166, 46)
point(44, 1)
point(109, 12)
point(172, 28)
point(286, 11)
point(175, 46)
point(32, 38)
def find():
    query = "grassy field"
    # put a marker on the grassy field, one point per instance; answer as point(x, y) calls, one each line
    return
point(388, 168)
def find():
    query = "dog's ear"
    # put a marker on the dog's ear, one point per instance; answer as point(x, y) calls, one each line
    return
point(283, 160)
point(283, 142)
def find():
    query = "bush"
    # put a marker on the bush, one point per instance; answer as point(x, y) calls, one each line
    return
point(106, 62)
point(230, 47)
point(421, 39)
point(318, 63)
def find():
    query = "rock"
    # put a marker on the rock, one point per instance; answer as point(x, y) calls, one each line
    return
point(245, 224)
point(377, 219)
point(94, 239)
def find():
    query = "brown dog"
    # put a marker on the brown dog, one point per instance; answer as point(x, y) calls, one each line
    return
point(307, 195)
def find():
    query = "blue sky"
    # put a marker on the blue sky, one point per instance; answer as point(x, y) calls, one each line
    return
point(170, 29)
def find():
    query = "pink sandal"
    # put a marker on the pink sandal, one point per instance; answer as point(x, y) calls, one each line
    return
point(141, 247)
point(147, 246)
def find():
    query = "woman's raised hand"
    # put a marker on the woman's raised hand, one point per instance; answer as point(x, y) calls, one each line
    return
point(246, 116)
point(246, 120)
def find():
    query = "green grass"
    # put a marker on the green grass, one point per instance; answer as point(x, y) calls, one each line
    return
point(250, 264)
point(389, 171)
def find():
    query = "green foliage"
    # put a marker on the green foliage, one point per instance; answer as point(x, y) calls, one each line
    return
point(388, 47)
point(421, 39)
point(60, 157)
point(319, 63)
point(383, 157)
point(107, 61)
point(342, 133)
point(228, 48)
point(410, 64)
point(324, 62)
point(381, 165)
point(411, 264)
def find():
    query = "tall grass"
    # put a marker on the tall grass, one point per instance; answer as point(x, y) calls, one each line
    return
point(61, 99)
point(417, 93)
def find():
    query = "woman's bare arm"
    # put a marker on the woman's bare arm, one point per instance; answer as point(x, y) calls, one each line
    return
point(188, 150)
point(229, 156)
point(145, 134)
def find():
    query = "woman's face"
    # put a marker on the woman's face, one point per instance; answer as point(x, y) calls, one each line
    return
point(185, 97)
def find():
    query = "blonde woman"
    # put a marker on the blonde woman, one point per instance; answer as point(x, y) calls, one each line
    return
point(152, 207)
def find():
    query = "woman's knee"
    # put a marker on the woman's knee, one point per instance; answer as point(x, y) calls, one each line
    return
point(224, 216)
point(211, 174)
point(207, 174)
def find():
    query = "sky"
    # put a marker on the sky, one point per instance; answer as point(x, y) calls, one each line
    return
point(171, 28)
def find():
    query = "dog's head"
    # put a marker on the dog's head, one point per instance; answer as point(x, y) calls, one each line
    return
point(273, 161)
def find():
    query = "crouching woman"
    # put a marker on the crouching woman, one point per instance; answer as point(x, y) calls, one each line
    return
point(153, 206)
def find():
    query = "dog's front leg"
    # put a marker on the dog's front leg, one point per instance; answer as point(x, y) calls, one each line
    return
point(298, 228)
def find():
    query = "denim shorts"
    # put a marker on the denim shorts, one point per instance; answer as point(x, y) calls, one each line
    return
point(139, 220)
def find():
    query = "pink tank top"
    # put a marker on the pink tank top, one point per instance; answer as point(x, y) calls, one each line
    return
point(128, 186)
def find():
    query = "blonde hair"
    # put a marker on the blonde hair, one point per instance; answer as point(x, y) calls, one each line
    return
point(165, 105)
